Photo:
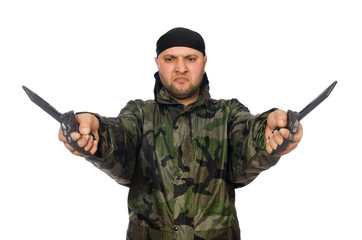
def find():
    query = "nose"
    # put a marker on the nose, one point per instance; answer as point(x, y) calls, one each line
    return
point(181, 66)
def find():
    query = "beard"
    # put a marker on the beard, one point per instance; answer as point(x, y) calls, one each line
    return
point(180, 91)
point(182, 94)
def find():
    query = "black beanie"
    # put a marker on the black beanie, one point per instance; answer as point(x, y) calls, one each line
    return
point(180, 37)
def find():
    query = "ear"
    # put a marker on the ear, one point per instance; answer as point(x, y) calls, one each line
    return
point(205, 60)
point(156, 61)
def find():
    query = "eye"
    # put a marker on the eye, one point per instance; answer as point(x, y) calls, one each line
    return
point(191, 59)
point(169, 59)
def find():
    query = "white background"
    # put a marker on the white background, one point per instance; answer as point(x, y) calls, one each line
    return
point(96, 55)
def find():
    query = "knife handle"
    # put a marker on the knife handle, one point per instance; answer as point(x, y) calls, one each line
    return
point(292, 125)
point(68, 125)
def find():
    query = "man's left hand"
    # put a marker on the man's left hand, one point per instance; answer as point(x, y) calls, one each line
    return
point(278, 118)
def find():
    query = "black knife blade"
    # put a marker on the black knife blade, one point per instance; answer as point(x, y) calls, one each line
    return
point(318, 100)
point(43, 104)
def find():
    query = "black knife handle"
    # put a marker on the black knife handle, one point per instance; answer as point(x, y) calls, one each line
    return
point(292, 125)
point(68, 125)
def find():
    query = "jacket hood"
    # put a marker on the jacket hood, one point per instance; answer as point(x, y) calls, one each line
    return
point(161, 95)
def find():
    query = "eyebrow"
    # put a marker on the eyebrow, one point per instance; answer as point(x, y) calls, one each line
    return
point(174, 56)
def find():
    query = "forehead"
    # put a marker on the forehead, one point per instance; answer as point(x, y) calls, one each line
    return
point(180, 51)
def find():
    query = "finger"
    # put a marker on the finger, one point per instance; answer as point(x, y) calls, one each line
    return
point(299, 134)
point(89, 144)
point(94, 147)
point(272, 143)
point(83, 141)
point(268, 148)
point(75, 136)
point(284, 132)
point(278, 138)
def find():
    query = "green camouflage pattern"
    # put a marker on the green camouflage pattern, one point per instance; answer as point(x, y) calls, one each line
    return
point(183, 163)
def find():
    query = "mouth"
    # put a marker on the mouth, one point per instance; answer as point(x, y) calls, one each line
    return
point(181, 79)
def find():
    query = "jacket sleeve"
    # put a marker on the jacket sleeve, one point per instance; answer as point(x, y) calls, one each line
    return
point(247, 145)
point(119, 141)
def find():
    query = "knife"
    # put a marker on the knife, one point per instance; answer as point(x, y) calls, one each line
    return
point(293, 118)
point(67, 120)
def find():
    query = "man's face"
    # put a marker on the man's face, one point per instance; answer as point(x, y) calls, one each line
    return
point(181, 71)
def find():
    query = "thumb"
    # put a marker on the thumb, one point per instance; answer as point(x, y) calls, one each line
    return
point(278, 118)
point(281, 117)
point(85, 123)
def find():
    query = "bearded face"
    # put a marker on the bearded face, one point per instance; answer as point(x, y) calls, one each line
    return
point(181, 70)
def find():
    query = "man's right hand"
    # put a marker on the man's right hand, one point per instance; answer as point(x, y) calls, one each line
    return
point(88, 123)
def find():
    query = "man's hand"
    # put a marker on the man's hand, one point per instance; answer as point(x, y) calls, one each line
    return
point(278, 118)
point(88, 123)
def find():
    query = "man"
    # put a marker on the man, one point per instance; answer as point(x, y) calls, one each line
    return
point(183, 154)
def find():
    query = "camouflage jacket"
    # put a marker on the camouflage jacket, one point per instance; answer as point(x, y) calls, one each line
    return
point(183, 163)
